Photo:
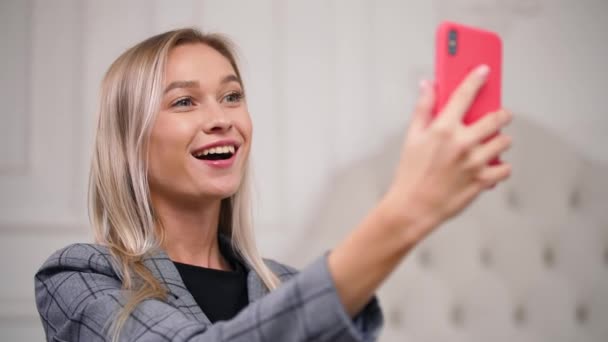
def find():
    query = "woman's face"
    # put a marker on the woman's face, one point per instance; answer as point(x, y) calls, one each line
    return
point(201, 139)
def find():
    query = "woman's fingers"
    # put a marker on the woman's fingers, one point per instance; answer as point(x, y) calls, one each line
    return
point(424, 106)
point(491, 175)
point(484, 153)
point(488, 125)
point(463, 96)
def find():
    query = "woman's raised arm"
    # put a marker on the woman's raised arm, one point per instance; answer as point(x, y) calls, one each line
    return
point(444, 166)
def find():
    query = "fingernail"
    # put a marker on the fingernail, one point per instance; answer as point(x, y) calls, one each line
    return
point(483, 70)
point(424, 85)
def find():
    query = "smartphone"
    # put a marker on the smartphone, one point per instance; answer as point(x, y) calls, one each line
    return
point(458, 50)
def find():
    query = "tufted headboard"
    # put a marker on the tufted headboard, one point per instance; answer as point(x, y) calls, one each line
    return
point(527, 261)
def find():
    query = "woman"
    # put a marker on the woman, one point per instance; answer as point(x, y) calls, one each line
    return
point(175, 257)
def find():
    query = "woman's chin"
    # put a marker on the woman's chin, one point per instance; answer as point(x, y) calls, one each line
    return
point(219, 191)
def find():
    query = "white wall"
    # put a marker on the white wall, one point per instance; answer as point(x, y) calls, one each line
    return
point(329, 83)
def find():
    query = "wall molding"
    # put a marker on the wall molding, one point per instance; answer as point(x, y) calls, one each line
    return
point(25, 229)
point(23, 166)
point(18, 309)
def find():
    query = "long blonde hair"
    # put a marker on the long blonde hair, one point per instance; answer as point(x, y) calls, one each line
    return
point(120, 206)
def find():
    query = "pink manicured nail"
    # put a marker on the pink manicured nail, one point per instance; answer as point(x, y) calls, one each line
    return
point(482, 70)
point(424, 85)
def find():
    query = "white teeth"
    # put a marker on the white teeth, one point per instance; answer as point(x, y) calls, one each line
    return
point(218, 149)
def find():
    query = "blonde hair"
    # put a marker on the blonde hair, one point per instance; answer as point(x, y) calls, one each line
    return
point(120, 206)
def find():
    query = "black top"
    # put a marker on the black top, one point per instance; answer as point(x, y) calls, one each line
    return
point(220, 294)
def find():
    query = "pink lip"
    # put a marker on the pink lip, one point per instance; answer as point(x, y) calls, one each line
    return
point(220, 164)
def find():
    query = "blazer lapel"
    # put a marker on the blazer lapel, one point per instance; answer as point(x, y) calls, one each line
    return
point(255, 287)
point(165, 271)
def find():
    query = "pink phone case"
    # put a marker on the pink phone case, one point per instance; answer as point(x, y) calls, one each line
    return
point(458, 50)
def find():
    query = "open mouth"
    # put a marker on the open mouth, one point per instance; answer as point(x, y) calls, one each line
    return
point(216, 153)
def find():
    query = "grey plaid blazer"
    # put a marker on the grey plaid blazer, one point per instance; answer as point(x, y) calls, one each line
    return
point(78, 292)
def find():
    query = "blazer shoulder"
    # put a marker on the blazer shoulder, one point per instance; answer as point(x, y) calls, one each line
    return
point(282, 271)
point(80, 257)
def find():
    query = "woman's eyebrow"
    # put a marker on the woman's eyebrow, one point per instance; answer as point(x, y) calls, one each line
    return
point(196, 84)
point(182, 84)
point(231, 78)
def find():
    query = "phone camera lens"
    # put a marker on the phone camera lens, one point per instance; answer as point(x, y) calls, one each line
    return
point(452, 42)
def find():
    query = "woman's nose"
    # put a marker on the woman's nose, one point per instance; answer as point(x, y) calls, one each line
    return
point(216, 120)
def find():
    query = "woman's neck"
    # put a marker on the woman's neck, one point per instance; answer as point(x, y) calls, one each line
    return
point(191, 233)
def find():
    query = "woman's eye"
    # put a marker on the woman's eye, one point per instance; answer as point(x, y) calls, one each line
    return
point(183, 102)
point(234, 97)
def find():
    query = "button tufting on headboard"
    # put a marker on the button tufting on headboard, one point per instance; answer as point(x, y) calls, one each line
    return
point(574, 200)
point(512, 199)
point(549, 256)
point(519, 315)
point(425, 258)
point(457, 316)
point(395, 317)
point(582, 313)
point(485, 257)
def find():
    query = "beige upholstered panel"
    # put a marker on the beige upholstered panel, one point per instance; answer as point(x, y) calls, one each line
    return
point(527, 262)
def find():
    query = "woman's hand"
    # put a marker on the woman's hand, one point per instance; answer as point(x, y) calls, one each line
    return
point(443, 167)
point(444, 164)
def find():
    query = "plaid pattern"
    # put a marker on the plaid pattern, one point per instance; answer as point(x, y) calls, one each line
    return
point(78, 292)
